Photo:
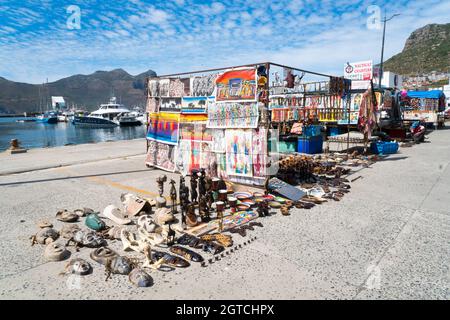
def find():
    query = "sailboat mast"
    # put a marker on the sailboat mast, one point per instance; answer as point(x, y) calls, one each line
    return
point(47, 91)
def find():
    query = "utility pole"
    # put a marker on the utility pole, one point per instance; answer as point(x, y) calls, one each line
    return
point(382, 46)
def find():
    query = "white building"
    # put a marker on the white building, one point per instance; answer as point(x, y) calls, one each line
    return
point(58, 103)
point(390, 80)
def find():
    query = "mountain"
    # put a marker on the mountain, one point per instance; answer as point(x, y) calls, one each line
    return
point(427, 49)
point(83, 90)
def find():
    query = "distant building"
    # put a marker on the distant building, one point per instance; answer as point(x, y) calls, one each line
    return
point(391, 80)
point(58, 103)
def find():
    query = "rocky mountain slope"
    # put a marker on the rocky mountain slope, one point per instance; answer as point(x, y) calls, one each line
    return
point(427, 49)
point(83, 90)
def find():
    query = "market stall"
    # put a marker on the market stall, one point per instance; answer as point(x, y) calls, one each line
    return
point(231, 121)
point(423, 105)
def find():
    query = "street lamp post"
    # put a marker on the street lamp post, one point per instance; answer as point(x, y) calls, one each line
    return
point(382, 47)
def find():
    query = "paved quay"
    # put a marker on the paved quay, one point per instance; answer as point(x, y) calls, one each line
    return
point(389, 238)
point(47, 158)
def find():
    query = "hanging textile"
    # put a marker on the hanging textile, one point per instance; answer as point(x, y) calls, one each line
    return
point(152, 105)
point(195, 132)
point(194, 155)
point(221, 165)
point(218, 140)
point(183, 157)
point(387, 100)
point(200, 117)
point(163, 127)
point(208, 160)
point(259, 152)
point(233, 115)
point(161, 155)
point(367, 117)
point(239, 152)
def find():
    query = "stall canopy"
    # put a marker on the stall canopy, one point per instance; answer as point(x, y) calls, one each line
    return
point(433, 94)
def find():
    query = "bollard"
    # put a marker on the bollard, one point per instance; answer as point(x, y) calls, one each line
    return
point(15, 147)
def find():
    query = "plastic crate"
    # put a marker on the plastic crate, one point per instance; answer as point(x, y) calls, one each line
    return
point(381, 147)
point(287, 146)
point(310, 145)
point(312, 131)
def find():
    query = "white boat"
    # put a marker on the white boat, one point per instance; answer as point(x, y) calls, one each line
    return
point(108, 115)
point(128, 120)
point(47, 117)
point(140, 116)
point(62, 117)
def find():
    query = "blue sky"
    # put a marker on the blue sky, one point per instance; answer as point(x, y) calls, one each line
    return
point(184, 35)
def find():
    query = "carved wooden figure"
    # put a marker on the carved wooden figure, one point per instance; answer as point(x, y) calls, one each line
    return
point(194, 194)
point(173, 196)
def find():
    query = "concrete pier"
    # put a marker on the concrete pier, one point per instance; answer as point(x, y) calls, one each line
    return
point(389, 238)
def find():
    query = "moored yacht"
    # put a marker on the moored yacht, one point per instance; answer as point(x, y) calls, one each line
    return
point(108, 115)
point(128, 120)
point(47, 117)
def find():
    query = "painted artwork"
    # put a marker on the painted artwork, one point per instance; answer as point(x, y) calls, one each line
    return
point(183, 157)
point(218, 140)
point(239, 218)
point(203, 86)
point(163, 127)
point(236, 85)
point(208, 159)
point(259, 152)
point(193, 117)
point(164, 85)
point(221, 159)
point(189, 156)
point(233, 115)
point(195, 132)
point(195, 155)
point(161, 155)
point(187, 86)
point(194, 104)
point(152, 105)
point(153, 87)
point(239, 152)
point(176, 88)
point(170, 105)
point(356, 101)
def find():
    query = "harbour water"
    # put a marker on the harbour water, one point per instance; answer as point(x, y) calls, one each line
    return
point(40, 135)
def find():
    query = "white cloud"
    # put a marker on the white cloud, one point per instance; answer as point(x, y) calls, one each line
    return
point(179, 35)
point(157, 16)
point(217, 7)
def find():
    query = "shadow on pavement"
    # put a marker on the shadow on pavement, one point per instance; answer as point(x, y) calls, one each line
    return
point(74, 177)
point(393, 158)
